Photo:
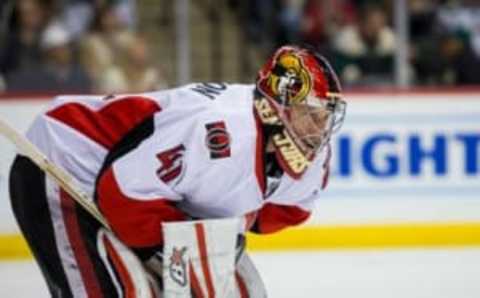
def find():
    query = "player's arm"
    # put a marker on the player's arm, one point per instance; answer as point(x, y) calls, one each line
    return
point(136, 221)
point(273, 217)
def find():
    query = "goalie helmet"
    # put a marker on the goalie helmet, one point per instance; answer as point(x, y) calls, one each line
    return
point(298, 95)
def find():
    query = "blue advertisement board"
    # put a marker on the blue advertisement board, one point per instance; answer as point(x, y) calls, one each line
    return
point(410, 146)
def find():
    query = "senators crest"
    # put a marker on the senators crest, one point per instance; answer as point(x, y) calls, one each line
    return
point(217, 140)
point(287, 78)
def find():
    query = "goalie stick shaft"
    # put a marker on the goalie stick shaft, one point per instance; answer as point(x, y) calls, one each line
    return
point(64, 179)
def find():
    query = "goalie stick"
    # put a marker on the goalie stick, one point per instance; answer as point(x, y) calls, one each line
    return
point(64, 179)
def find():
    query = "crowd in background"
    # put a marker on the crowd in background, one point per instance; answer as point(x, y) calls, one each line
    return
point(92, 45)
point(74, 46)
point(359, 38)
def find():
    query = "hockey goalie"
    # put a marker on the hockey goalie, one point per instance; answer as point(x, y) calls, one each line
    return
point(180, 176)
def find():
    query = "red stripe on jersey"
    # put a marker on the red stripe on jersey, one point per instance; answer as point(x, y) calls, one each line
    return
point(125, 278)
point(242, 287)
point(136, 222)
point(259, 151)
point(110, 123)
point(194, 283)
point(202, 247)
point(85, 264)
point(272, 217)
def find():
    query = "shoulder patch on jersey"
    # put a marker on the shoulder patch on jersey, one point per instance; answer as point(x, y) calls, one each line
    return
point(217, 140)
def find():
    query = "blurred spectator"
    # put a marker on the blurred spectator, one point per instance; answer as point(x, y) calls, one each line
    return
point(426, 61)
point(462, 21)
point(289, 19)
point(127, 12)
point(424, 41)
point(364, 52)
point(136, 72)
point(3, 85)
point(261, 22)
point(79, 14)
point(4, 7)
point(464, 18)
point(102, 47)
point(446, 54)
point(460, 64)
point(20, 49)
point(140, 73)
point(422, 19)
point(58, 73)
point(324, 18)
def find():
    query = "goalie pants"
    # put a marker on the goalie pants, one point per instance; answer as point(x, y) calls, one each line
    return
point(62, 237)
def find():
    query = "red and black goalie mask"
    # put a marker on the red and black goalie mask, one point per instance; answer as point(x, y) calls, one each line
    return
point(299, 94)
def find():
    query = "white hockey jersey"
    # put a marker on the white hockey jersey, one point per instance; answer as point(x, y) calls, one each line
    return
point(192, 152)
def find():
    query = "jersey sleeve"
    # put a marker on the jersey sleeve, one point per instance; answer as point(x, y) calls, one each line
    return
point(103, 120)
point(276, 216)
point(136, 221)
point(295, 202)
point(272, 218)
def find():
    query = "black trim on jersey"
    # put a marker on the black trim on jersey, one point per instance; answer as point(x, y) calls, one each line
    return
point(128, 143)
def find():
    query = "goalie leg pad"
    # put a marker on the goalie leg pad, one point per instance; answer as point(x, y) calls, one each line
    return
point(125, 269)
point(199, 258)
point(249, 281)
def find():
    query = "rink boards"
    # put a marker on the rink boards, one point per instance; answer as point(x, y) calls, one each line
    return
point(405, 172)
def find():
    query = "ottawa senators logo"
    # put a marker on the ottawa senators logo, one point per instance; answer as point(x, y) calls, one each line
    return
point(286, 78)
point(217, 140)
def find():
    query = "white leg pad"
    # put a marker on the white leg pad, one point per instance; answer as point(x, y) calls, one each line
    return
point(199, 257)
point(248, 274)
point(118, 258)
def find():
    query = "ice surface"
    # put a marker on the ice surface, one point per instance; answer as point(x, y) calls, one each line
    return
point(442, 273)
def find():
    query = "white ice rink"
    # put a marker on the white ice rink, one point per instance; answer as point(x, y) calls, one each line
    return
point(364, 274)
